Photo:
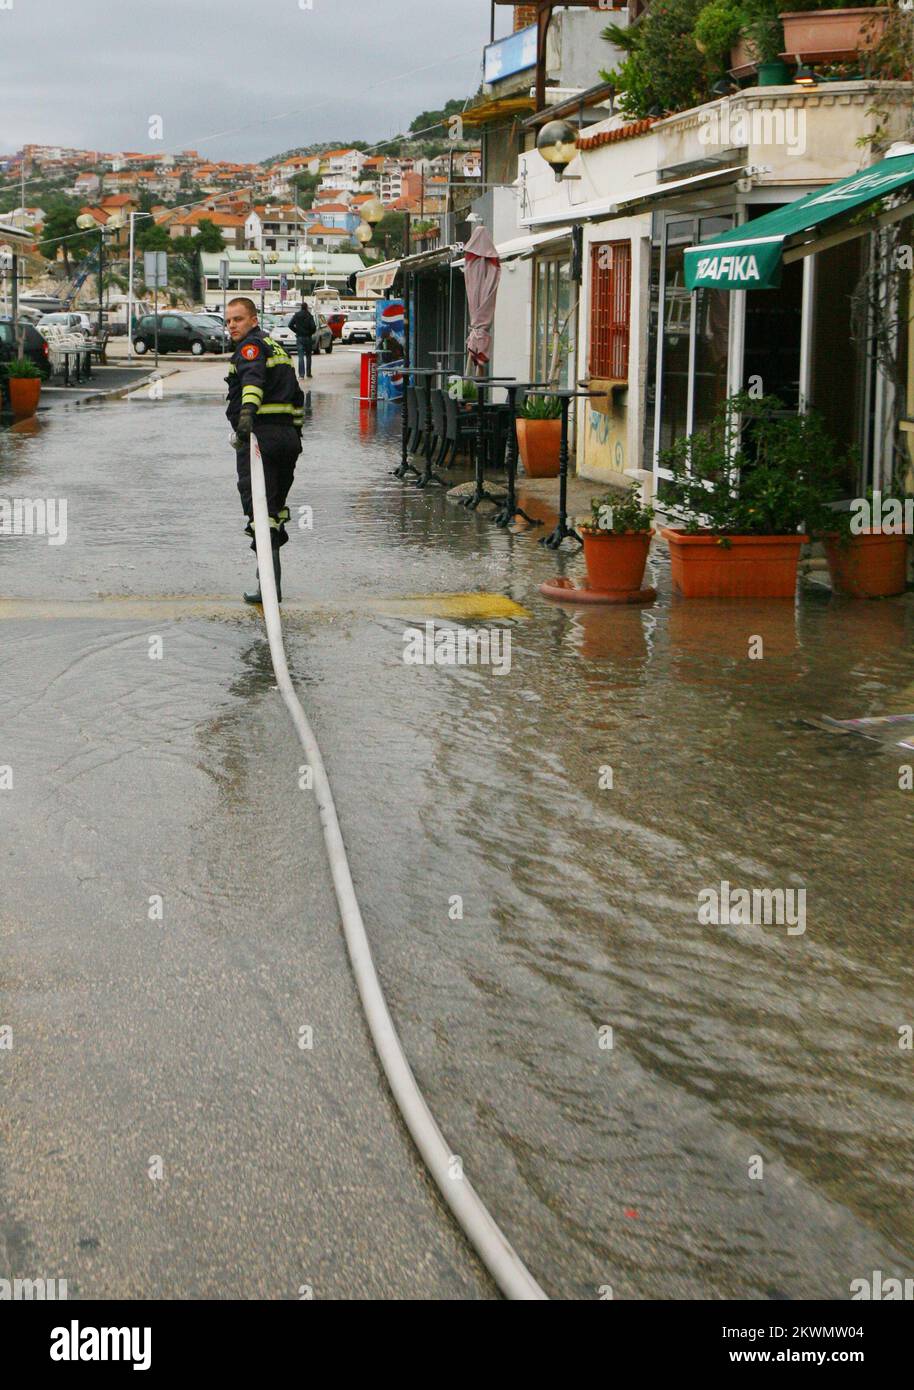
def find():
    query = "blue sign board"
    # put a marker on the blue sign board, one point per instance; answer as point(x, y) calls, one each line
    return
point(510, 55)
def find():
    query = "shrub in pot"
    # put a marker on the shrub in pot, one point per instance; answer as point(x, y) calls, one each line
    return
point(23, 383)
point(539, 436)
point(740, 493)
point(616, 541)
point(867, 546)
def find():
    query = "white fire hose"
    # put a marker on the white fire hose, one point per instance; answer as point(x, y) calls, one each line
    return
point(493, 1248)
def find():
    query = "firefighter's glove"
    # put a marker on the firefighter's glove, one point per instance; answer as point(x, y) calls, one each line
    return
point(244, 427)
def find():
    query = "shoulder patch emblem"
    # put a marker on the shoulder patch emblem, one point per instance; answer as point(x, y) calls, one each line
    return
point(250, 352)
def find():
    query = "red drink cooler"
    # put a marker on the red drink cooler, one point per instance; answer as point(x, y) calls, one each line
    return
point(368, 378)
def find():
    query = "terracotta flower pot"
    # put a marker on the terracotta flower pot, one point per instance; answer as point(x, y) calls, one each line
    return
point(615, 562)
point(743, 58)
point(832, 36)
point(539, 442)
point(24, 393)
point(746, 567)
point(871, 565)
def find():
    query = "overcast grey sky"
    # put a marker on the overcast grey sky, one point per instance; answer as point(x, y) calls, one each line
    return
point(238, 79)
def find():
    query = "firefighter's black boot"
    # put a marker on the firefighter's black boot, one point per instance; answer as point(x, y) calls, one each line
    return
point(255, 596)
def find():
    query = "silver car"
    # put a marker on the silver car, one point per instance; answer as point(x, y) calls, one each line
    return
point(278, 328)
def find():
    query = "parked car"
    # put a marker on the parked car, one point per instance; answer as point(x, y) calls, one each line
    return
point(73, 322)
point(278, 328)
point(194, 333)
point(34, 346)
point(359, 328)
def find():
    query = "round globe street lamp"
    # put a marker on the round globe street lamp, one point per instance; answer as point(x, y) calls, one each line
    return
point(557, 142)
point(363, 233)
point(372, 211)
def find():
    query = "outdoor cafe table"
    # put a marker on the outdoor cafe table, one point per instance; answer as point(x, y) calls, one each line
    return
point(481, 383)
point(565, 395)
point(506, 514)
point(84, 350)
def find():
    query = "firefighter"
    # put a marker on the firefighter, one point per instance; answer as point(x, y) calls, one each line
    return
point(264, 398)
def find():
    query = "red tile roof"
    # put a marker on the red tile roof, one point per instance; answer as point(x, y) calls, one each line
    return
point(611, 137)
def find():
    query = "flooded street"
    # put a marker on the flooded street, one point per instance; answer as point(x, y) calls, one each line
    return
point(165, 777)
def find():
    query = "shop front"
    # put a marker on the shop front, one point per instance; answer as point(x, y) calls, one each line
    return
point(776, 303)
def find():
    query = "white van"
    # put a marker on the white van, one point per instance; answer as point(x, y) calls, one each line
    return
point(72, 322)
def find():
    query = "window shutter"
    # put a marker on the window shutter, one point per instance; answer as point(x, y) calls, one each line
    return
point(610, 309)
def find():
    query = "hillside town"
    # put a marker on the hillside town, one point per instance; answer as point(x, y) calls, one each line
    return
point(457, 601)
point(142, 202)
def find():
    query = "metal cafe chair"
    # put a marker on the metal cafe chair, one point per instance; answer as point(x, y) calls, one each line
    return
point(459, 433)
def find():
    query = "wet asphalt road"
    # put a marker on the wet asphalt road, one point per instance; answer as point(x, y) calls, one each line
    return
point(627, 1167)
point(178, 1040)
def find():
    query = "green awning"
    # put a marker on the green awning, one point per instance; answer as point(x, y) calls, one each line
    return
point(750, 257)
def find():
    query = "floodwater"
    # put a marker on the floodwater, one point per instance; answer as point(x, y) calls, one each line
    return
point(748, 1132)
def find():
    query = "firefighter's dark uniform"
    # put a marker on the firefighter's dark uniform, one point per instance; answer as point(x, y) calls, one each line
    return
point(261, 378)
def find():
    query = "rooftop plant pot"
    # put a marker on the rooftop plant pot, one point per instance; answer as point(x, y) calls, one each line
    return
point(708, 566)
point(773, 74)
point(24, 393)
point(869, 565)
point(832, 36)
point(615, 560)
point(539, 442)
point(743, 58)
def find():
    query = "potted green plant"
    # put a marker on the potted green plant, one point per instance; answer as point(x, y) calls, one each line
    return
point(717, 32)
point(616, 541)
point(739, 495)
point(539, 436)
point(765, 35)
point(757, 41)
point(23, 381)
point(866, 545)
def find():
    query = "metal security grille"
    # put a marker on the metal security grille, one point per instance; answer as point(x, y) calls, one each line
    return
point(611, 265)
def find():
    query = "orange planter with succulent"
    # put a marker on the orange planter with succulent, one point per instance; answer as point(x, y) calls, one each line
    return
point(616, 541)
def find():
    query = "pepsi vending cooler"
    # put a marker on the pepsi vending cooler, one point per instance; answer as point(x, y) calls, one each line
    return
point(390, 341)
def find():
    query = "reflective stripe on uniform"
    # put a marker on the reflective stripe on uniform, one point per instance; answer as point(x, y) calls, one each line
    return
point(280, 357)
point(279, 408)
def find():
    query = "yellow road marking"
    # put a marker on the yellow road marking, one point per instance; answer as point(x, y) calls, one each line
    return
point(127, 608)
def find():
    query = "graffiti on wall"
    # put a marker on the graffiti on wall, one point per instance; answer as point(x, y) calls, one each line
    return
point(604, 445)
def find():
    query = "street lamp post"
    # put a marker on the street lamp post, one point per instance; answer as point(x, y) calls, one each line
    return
point(86, 222)
point(130, 283)
point(263, 257)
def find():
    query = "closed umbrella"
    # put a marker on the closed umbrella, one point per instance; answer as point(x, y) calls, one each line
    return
point(482, 272)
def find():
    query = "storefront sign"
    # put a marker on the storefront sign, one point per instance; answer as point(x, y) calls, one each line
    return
point(510, 55)
point(758, 268)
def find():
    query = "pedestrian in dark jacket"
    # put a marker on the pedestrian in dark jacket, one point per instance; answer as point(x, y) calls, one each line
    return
point(303, 326)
